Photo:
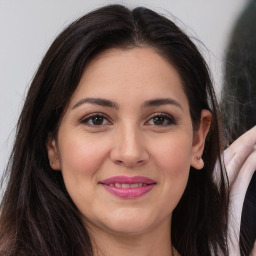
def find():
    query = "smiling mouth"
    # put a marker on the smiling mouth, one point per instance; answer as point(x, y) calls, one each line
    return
point(128, 187)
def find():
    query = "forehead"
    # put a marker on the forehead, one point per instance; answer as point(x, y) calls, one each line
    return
point(137, 72)
point(136, 60)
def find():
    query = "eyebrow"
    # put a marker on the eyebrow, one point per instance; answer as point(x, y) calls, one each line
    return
point(160, 102)
point(96, 101)
point(111, 104)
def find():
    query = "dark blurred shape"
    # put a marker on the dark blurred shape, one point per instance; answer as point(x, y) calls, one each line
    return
point(239, 91)
point(239, 106)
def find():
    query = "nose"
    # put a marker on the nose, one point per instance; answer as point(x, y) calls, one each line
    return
point(129, 147)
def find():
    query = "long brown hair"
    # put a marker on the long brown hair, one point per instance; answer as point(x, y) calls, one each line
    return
point(37, 215)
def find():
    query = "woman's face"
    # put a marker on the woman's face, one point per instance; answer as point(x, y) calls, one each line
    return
point(125, 143)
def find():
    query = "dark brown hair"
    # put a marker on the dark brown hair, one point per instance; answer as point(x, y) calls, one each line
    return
point(37, 215)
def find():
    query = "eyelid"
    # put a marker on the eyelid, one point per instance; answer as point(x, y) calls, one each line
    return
point(162, 114)
point(85, 119)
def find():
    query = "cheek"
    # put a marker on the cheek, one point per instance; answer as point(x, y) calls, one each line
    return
point(80, 161)
point(173, 161)
point(80, 156)
point(174, 155)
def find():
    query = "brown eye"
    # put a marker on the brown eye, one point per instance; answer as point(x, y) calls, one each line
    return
point(161, 120)
point(95, 120)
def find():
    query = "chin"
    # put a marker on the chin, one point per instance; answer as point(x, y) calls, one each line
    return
point(130, 223)
point(128, 228)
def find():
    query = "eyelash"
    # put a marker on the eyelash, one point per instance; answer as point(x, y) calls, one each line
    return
point(167, 118)
point(170, 120)
point(90, 117)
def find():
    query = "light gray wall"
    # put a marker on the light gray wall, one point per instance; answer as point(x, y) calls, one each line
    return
point(27, 27)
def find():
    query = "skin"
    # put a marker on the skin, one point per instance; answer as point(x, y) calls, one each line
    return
point(128, 141)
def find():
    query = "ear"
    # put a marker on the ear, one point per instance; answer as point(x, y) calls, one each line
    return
point(52, 151)
point(199, 139)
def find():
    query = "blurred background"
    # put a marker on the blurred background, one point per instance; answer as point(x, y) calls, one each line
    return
point(238, 106)
point(28, 27)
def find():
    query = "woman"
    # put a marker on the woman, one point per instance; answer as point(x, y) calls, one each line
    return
point(116, 146)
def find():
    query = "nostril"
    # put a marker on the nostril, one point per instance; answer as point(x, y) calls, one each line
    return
point(119, 161)
point(140, 162)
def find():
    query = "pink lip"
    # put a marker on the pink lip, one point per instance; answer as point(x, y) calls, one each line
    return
point(131, 192)
point(128, 180)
